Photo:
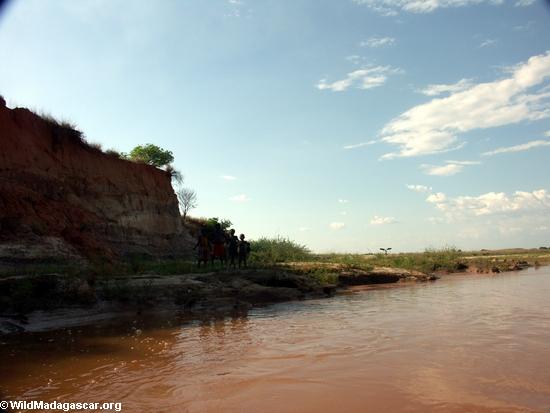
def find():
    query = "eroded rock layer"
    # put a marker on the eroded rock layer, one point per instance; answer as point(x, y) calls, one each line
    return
point(61, 198)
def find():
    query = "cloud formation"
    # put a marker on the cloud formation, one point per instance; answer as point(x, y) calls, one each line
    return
point(228, 177)
point(240, 198)
point(374, 42)
point(439, 89)
point(491, 203)
point(518, 148)
point(487, 42)
point(393, 7)
point(336, 225)
point(376, 220)
point(419, 188)
point(360, 145)
point(365, 78)
point(433, 127)
point(450, 168)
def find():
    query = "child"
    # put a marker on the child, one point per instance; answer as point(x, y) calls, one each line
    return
point(232, 248)
point(218, 242)
point(203, 245)
point(244, 250)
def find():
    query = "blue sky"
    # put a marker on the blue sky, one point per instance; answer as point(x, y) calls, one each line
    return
point(345, 125)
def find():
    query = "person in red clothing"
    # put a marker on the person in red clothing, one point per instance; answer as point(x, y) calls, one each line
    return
point(218, 243)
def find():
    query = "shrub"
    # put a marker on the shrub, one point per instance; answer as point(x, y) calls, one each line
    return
point(95, 145)
point(275, 250)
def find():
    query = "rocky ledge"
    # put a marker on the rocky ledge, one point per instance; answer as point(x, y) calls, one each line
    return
point(47, 302)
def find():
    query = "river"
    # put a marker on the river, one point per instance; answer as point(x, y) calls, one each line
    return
point(465, 343)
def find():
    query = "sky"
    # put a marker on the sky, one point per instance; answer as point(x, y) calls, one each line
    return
point(345, 125)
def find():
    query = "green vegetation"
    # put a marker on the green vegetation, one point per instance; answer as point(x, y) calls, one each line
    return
point(445, 259)
point(53, 285)
point(269, 251)
point(151, 155)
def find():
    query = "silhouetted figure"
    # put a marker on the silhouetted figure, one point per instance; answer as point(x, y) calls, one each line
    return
point(218, 243)
point(243, 250)
point(204, 248)
point(232, 248)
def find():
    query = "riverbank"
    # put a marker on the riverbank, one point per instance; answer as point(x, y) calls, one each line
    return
point(47, 301)
point(52, 301)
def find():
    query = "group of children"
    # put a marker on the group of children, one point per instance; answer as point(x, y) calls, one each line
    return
point(223, 246)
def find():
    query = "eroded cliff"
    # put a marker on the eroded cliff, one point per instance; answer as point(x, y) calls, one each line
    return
point(63, 199)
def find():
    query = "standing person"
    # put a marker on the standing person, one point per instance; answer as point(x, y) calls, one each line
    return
point(218, 241)
point(244, 250)
point(232, 248)
point(203, 245)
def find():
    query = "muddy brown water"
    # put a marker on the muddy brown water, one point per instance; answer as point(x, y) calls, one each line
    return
point(466, 343)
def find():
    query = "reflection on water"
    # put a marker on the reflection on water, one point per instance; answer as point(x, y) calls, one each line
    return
point(466, 343)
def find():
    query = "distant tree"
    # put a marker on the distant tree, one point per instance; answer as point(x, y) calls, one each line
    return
point(152, 155)
point(209, 225)
point(187, 199)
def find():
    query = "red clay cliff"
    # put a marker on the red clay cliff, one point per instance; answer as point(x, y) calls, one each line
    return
point(61, 198)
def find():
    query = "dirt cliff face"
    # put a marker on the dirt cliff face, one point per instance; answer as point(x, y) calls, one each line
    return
point(61, 198)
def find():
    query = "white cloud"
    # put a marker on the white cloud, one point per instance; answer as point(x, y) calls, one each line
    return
point(419, 188)
point(343, 201)
point(237, 9)
point(437, 198)
point(344, 213)
point(359, 145)
point(518, 148)
point(450, 168)
point(491, 203)
point(547, 133)
point(524, 3)
point(432, 127)
point(376, 220)
point(392, 7)
point(365, 78)
point(303, 229)
point(487, 42)
point(337, 225)
point(375, 42)
point(438, 89)
point(228, 177)
point(524, 27)
point(239, 198)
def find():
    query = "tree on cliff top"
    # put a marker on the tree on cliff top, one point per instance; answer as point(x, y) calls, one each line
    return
point(152, 155)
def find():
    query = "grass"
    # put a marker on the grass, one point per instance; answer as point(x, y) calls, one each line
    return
point(284, 253)
point(270, 251)
point(44, 290)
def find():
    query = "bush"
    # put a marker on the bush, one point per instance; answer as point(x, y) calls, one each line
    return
point(444, 259)
point(275, 250)
point(95, 145)
point(152, 155)
point(114, 153)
